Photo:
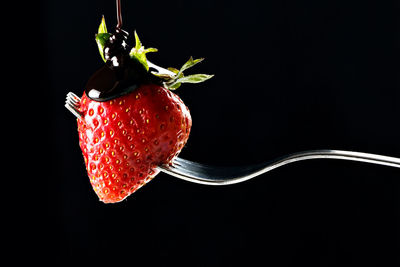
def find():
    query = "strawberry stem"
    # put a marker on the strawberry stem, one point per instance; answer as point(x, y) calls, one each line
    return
point(119, 15)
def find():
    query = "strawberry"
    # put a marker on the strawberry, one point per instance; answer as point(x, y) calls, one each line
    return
point(131, 121)
point(124, 139)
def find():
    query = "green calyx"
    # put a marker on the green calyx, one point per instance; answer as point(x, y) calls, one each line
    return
point(171, 78)
point(102, 37)
point(173, 82)
point(139, 53)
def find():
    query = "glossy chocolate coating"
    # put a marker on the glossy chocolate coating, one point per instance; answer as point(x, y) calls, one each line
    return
point(121, 74)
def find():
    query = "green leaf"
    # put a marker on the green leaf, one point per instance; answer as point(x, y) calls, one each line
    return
point(101, 40)
point(174, 86)
point(139, 53)
point(151, 49)
point(195, 78)
point(179, 78)
point(176, 71)
point(102, 26)
point(138, 44)
point(102, 37)
point(163, 76)
point(190, 63)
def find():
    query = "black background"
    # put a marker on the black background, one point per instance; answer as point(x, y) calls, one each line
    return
point(289, 76)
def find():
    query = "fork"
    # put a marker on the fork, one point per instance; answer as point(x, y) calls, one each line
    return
point(211, 175)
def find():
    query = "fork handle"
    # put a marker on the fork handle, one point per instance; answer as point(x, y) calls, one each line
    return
point(338, 154)
point(203, 174)
point(322, 154)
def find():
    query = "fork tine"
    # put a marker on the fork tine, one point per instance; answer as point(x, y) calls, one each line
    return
point(175, 170)
point(73, 98)
point(72, 103)
point(193, 171)
point(185, 163)
point(73, 110)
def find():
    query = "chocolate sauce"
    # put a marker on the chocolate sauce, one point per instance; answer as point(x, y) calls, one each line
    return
point(121, 74)
point(110, 82)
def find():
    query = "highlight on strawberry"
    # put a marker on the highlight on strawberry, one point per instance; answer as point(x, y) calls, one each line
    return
point(129, 120)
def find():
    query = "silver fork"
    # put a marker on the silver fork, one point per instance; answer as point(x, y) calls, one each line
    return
point(210, 175)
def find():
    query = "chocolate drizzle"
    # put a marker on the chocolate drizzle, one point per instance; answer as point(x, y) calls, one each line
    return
point(116, 49)
point(121, 74)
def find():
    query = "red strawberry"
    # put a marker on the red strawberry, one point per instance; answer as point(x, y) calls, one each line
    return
point(124, 139)
point(131, 122)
